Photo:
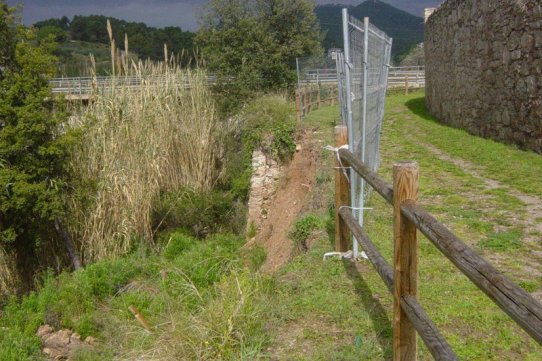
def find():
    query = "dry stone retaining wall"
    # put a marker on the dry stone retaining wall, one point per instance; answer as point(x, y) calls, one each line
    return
point(484, 68)
point(265, 173)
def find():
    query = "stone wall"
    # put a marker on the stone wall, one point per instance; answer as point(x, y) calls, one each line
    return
point(265, 173)
point(484, 68)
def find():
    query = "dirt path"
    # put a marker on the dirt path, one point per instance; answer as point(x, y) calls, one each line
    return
point(530, 266)
point(290, 197)
point(533, 205)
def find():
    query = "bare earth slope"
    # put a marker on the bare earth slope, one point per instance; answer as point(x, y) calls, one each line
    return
point(293, 190)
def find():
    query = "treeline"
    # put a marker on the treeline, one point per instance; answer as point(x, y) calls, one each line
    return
point(147, 42)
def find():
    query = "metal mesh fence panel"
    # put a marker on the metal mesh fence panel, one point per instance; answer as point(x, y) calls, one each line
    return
point(367, 53)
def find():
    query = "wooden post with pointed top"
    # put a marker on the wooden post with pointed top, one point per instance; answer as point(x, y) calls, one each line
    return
point(342, 194)
point(405, 188)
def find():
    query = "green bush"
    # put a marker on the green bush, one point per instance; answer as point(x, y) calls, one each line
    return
point(267, 123)
point(270, 125)
point(257, 257)
point(302, 230)
point(198, 213)
point(177, 243)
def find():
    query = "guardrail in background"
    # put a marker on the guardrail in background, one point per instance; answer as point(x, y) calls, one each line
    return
point(402, 280)
point(412, 76)
point(408, 77)
point(81, 87)
point(309, 92)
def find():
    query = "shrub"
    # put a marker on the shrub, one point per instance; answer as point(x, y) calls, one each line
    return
point(269, 124)
point(197, 212)
point(302, 230)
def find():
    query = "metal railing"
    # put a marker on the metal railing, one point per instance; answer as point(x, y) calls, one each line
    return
point(85, 85)
point(398, 76)
point(414, 76)
point(402, 280)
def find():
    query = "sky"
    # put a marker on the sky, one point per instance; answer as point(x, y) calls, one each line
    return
point(160, 13)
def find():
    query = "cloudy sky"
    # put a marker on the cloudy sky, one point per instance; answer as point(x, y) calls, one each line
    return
point(159, 13)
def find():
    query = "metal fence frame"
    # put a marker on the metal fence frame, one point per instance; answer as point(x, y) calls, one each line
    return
point(366, 67)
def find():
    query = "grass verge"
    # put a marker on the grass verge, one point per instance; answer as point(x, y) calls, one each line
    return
point(331, 310)
point(201, 299)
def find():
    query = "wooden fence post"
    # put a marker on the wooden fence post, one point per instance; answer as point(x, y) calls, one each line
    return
point(319, 99)
point(298, 105)
point(342, 194)
point(406, 84)
point(310, 100)
point(304, 101)
point(405, 187)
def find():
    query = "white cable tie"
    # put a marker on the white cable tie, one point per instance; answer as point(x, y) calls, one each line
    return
point(336, 151)
point(356, 208)
point(342, 255)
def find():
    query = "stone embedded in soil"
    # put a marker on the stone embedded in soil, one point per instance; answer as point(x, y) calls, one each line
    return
point(62, 344)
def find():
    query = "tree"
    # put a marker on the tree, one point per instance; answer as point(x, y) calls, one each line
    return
point(56, 32)
point(8, 33)
point(62, 23)
point(252, 45)
point(415, 57)
point(33, 148)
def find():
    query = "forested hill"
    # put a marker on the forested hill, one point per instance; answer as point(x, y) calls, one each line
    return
point(405, 28)
point(145, 41)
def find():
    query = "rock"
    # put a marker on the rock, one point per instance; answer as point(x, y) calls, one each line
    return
point(62, 344)
point(90, 340)
point(44, 330)
point(265, 173)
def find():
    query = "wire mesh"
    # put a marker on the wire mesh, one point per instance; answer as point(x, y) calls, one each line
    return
point(364, 74)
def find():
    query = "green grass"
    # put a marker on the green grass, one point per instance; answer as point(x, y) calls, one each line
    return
point(345, 314)
point(505, 163)
point(199, 297)
point(213, 305)
point(502, 241)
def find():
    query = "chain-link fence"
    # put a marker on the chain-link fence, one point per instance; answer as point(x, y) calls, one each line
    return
point(363, 83)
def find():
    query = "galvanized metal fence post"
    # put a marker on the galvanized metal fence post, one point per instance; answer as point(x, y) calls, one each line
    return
point(348, 90)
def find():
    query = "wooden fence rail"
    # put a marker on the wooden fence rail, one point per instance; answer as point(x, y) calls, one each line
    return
point(409, 316)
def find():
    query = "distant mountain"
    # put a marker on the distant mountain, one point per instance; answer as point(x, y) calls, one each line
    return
point(405, 28)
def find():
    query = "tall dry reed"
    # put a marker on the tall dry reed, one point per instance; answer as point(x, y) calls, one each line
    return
point(137, 141)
